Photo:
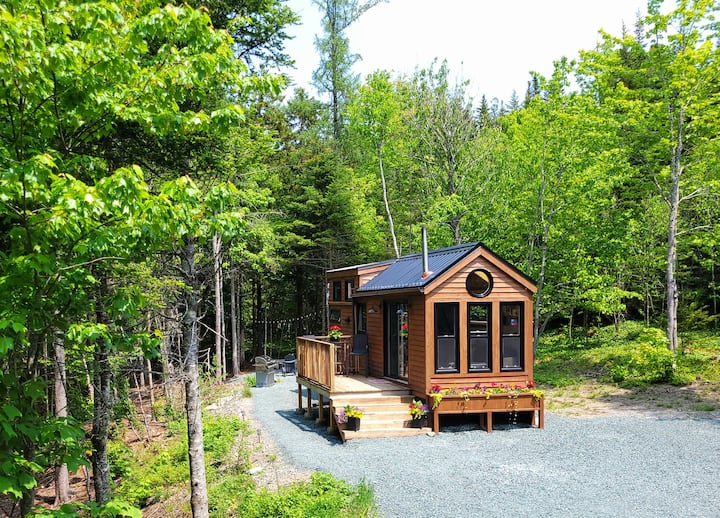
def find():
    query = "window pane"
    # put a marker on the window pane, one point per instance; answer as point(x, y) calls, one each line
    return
point(510, 319)
point(511, 346)
point(447, 346)
point(478, 315)
point(479, 283)
point(445, 319)
point(479, 337)
point(361, 317)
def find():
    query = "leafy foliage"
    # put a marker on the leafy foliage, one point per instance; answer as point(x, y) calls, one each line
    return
point(322, 496)
point(631, 356)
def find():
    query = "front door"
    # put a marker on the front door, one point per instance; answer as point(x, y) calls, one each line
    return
point(396, 340)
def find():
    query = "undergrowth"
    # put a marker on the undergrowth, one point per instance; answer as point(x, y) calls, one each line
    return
point(633, 355)
point(321, 496)
point(152, 473)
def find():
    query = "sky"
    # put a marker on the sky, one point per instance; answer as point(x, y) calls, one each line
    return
point(493, 44)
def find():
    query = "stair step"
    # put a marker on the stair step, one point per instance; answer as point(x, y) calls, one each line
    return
point(372, 399)
point(375, 433)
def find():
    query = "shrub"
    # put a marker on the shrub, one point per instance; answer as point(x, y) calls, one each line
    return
point(321, 496)
point(640, 363)
point(120, 458)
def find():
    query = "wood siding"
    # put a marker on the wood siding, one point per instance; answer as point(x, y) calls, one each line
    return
point(417, 361)
point(505, 289)
point(509, 285)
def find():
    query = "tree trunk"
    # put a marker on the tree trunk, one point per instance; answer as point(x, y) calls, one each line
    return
point(102, 405)
point(219, 310)
point(241, 320)
point(674, 205)
point(62, 476)
point(27, 502)
point(258, 336)
point(386, 201)
point(196, 450)
point(235, 364)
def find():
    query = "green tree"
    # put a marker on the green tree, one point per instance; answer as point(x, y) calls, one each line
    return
point(334, 75)
point(664, 93)
point(375, 122)
point(71, 74)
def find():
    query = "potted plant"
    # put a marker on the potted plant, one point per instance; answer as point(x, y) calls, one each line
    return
point(335, 332)
point(418, 411)
point(350, 415)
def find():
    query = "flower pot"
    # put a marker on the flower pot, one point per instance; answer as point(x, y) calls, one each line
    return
point(353, 423)
point(418, 423)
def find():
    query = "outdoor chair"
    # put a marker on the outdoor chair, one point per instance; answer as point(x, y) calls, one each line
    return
point(359, 349)
point(289, 365)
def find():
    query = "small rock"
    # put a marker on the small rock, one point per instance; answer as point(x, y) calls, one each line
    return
point(255, 470)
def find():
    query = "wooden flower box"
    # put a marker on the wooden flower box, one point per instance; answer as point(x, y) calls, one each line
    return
point(487, 405)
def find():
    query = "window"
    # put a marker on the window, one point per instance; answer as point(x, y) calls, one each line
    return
point(334, 315)
point(479, 327)
point(511, 341)
point(479, 283)
point(360, 318)
point(447, 347)
point(336, 290)
point(348, 289)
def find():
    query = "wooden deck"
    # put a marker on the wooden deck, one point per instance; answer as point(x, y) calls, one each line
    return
point(384, 403)
point(322, 368)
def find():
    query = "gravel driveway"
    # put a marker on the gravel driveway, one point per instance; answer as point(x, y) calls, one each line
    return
point(616, 466)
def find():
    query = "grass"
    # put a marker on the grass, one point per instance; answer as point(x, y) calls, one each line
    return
point(632, 356)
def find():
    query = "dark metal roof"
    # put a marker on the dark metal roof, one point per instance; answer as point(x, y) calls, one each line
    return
point(406, 272)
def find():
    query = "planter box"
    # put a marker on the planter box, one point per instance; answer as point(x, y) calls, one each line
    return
point(353, 423)
point(488, 405)
point(418, 423)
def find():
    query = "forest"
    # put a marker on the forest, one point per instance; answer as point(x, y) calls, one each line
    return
point(169, 203)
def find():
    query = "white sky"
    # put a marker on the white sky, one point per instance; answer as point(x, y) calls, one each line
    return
point(493, 44)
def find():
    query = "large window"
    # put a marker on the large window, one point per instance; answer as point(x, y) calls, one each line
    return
point(337, 290)
point(447, 346)
point(511, 341)
point(479, 341)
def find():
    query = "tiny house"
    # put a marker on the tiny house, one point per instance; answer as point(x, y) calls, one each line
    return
point(451, 321)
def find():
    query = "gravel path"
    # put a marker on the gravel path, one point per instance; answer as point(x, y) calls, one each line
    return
point(610, 466)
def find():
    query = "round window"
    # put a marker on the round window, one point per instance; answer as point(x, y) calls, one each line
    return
point(479, 283)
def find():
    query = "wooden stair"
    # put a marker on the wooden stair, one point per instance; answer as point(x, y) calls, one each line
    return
point(385, 415)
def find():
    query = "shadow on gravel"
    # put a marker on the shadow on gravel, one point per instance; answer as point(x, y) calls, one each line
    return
point(454, 423)
point(309, 425)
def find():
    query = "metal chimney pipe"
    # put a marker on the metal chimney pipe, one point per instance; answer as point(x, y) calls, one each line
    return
point(425, 261)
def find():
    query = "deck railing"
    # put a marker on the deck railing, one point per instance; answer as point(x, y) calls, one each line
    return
point(317, 358)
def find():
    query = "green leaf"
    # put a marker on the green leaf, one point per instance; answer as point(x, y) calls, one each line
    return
point(11, 411)
point(8, 487)
point(26, 480)
point(6, 344)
